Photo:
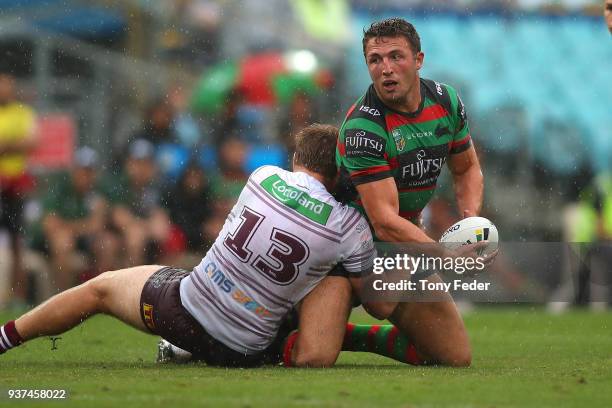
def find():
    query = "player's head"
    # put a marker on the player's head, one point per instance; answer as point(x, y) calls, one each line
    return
point(392, 50)
point(608, 14)
point(315, 150)
point(393, 27)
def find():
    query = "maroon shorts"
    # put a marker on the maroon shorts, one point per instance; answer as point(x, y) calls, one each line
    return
point(163, 314)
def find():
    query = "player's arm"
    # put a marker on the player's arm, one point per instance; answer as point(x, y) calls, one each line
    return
point(463, 163)
point(468, 181)
point(381, 202)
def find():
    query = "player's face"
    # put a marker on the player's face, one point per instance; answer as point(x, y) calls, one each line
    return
point(608, 14)
point(393, 67)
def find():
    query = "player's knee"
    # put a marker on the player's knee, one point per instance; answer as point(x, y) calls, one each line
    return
point(98, 289)
point(380, 310)
point(314, 358)
point(461, 357)
point(314, 361)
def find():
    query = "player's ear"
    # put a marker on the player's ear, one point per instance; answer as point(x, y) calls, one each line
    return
point(419, 57)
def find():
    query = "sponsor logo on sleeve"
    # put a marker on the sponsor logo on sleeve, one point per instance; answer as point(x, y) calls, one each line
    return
point(361, 143)
point(461, 110)
point(362, 226)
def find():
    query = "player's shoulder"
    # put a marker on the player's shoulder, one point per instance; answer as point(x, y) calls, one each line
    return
point(350, 220)
point(444, 94)
point(368, 108)
point(440, 92)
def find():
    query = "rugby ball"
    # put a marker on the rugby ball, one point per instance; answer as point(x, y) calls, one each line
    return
point(469, 231)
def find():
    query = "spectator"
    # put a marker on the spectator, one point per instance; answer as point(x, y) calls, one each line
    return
point(17, 139)
point(228, 124)
point(227, 184)
point(75, 221)
point(189, 204)
point(301, 113)
point(185, 129)
point(136, 210)
point(157, 124)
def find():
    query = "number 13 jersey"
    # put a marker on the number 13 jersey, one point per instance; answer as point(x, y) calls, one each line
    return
point(283, 236)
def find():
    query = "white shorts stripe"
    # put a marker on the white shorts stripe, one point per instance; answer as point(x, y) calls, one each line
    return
point(5, 337)
point(2, 344)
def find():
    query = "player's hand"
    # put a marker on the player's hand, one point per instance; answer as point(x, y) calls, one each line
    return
point(468, 214)
point(474, 251)
point(470, 250)
point(489, 259)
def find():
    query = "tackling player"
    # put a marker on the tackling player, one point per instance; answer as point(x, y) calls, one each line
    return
point(280, 240)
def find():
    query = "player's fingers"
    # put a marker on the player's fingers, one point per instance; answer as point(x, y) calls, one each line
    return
point(471, 250)
point(489, 259)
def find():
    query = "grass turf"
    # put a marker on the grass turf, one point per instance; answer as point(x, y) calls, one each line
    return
point(522, 358)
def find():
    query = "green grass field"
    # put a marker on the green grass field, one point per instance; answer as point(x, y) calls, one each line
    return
point(522, 358)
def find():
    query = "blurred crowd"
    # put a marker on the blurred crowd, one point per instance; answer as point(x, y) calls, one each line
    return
point(162, 198)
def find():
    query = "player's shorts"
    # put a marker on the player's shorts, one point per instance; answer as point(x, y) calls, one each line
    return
point(164, 315)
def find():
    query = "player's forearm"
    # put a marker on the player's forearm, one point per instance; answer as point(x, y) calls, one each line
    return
point(394, 228)
point(469, 187)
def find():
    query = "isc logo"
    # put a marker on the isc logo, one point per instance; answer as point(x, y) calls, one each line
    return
point(371, 111)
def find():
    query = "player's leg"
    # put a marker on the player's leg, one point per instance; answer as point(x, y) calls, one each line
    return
point(436, 329)
point(116, 293)
point(423, 333)
point(323, 316)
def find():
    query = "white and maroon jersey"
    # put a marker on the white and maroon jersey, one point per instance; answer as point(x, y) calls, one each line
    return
point(283, 236)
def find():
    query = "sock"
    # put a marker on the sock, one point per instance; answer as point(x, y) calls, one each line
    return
point(385, 340)
point(288, 348)
point(9, 337)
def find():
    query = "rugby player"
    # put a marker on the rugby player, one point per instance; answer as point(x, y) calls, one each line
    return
point(393, 144)
point(280, 240)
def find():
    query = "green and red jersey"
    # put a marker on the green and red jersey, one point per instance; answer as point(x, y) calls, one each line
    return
point(377, 142)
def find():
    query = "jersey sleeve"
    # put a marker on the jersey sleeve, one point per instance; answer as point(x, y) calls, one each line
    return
point(359, 248)
point(362, 151)
point(461, 136)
